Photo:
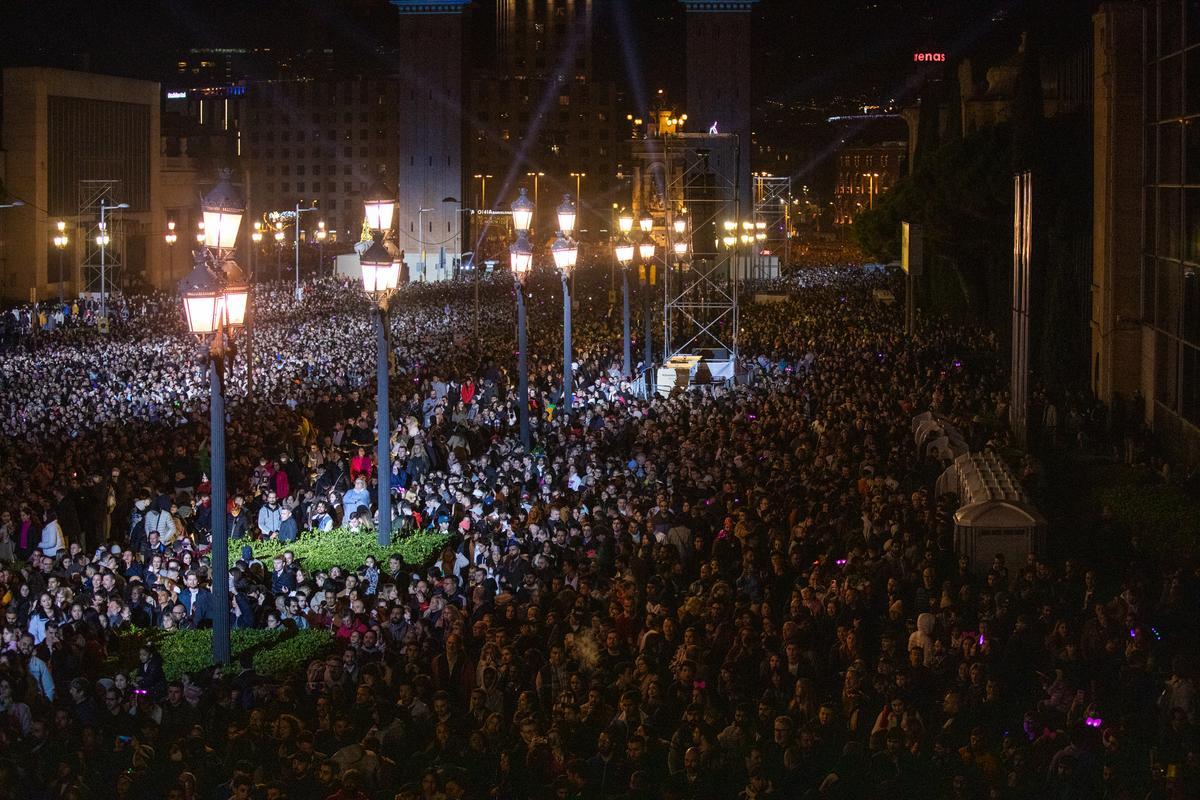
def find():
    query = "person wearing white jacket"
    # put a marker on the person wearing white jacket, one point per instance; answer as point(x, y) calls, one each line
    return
point(52, 540)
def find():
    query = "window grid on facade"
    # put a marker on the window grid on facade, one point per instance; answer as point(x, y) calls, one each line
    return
point(1171, 204)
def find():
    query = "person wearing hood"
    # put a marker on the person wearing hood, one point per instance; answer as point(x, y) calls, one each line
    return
point(137, 523)
point(922, 637)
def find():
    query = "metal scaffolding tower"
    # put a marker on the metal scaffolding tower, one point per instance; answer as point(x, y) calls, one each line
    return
point(700, 311)
point(772, 206)
point(91, 194)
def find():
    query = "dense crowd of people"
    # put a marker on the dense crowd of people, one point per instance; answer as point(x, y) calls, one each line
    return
point(744, 591)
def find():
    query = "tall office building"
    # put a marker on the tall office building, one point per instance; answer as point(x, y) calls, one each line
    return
point(539, 108)
point(429, 134)
point(323, 141)
point(718, 77)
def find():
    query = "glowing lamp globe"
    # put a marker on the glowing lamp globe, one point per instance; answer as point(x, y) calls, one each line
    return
point(566, 215)
point(203, 300)
point(565, 254)
point(379, 272)
point(646, 249)
point(379, 205)
point(522, 212)
point(223, 209)
point(520, 255)
point(237, 294)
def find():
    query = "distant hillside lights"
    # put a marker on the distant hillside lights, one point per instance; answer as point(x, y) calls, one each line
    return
point(929, 56)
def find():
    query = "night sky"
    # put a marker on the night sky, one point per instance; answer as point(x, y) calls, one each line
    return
point(805, 50)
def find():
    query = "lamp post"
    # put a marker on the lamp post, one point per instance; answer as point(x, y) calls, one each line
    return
point(579, 176)
point(170, 237)
point(320, 235)
point(566, 252)
point(483, 179)
point(296, 221)
point(520, 262)
point(535, 176)
point(103, 240)
point(462, 210)
point(381, 276)
point(624, 255)
point(256, 237)
point(646, 251)
point(215, 298)
point(279, 237)
point(60, 241)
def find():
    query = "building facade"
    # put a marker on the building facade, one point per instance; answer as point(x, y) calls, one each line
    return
point(321, 142)
point(429, 135)
point(718, 77)
point(1171, 224)
point(70, 140)
point(864, 172)
point(540, 118)
point(1146, 260)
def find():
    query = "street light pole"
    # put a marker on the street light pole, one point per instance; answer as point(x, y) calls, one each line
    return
point(220, 544)
point(215, 298)
point(296, 220)
point(627, 356)
point(381, 275)
point(521, 261)
point(623, 252)
point(535, 176)
point(566, 252)
point(383, 419)
point(60, 241)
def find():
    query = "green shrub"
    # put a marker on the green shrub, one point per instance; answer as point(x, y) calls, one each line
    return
point(1167, 519)
point(292, 655)
point(320, 550)
point(276, 653)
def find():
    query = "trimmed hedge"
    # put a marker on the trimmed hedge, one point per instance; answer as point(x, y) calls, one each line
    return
point(320, 550)
point(276, 653)
point(1165, 516)
point(292, 654)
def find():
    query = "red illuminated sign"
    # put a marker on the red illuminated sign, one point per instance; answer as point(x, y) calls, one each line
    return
point(929, 56)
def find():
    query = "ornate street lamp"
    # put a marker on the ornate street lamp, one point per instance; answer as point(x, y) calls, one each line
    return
point(214, 305)
point(566, 215)
point(625, 222)
point(646, 250)
point(381, 276)
point(61, 240)
point(522, 212)
point(521, 261)
point(566, 252)
point(624, 254)
point(222, 209)
point(379, 205)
